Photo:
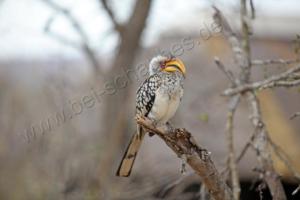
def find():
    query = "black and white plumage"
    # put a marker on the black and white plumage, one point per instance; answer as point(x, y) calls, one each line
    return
point(157, 99)
point(146, 95)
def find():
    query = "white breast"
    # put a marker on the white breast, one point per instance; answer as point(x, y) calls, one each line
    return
point(164, 106)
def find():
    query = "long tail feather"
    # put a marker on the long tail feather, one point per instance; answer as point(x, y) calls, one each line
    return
point(130, 154)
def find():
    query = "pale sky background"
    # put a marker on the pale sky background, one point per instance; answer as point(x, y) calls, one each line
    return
point(22, 22)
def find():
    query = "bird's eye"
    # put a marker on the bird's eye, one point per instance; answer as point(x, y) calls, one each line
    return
point(162, 64)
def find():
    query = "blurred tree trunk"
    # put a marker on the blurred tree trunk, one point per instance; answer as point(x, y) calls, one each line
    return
point(116, 105)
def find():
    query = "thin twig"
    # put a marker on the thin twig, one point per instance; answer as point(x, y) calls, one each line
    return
point(83, 45)
point(274, 62)
point(286, 160)
point(261, 145)
point(275, 80)
point(277, 84)
point(244, 150)
point(252, 9)
point(203, 192)
point(229, 34)
point(245, 63)
point(227, 72)
point(296, 190)
point(246, 147)
point(173, 184)
point(117, 26)
point(233, 104)
point(297, 114)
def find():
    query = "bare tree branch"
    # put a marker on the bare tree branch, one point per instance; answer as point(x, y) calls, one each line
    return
point(246, 64)
point(253, 13)
point(284, 158)
point(173, 184)
point(297, 114)
point(261, 145)
point(84, 45)
point(203, 193)
point(233, 104)
point(286, 84)
point(58, 37)
point(242, 56)
point(273, 81)
point(274, 62)
point(184, 145)
point(296, 190)
point(230, 36)
point(227, 72)
point(248, 144)
point(117, 26)
point(271, 177)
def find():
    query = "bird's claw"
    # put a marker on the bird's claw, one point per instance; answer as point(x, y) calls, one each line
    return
point(170, 128)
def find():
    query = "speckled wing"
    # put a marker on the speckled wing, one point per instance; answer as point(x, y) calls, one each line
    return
point(146, 95)
point(144, 102)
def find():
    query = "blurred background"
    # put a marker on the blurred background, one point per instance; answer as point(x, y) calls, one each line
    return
point(69, 70)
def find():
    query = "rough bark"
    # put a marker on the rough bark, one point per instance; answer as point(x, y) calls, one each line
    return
point(185, 147)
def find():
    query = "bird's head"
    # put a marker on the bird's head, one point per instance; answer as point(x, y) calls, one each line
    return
point(167, 64)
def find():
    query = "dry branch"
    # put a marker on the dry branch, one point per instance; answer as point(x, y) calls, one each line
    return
point(244, 150)
point(232, 107)
point(117, 26)
point(83, 45)
point(253, 12)
point(242, 55)
point(279, 80)
point(173, 184)
point(297, 114)
point(263, 154)
point(274, 62)
point(184, 145)
point(227, 72)
point(230, 36)
point(286, 161)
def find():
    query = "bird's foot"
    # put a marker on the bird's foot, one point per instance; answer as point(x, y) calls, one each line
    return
point(170, 128)
point(147, 120)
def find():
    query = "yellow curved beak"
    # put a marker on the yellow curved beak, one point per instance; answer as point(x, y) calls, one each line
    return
point(174, 65)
